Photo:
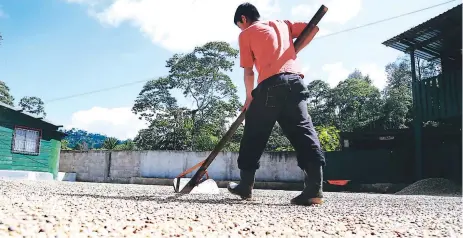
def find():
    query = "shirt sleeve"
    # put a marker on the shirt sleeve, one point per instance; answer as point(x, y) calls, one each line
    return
point(296, 28)
point(246, 56)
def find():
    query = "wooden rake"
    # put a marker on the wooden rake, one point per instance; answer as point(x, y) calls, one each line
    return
point(203, 165)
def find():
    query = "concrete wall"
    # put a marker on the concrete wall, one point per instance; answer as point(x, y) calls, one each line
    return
point(121, 166)
point(88, 166)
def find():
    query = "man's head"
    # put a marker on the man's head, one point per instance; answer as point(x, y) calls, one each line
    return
point(245, 15)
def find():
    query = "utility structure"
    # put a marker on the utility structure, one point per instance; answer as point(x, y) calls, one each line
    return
point(436, 98)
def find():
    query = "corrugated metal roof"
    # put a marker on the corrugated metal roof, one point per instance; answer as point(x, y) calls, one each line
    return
point(431, 35)
point(18, 109)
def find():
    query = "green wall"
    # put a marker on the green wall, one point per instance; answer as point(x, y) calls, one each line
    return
point(50, 145)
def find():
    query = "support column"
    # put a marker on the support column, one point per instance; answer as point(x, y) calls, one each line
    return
point(416, 119)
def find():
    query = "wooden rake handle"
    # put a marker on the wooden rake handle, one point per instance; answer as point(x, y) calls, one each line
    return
point(200, 173)
point(310, 26)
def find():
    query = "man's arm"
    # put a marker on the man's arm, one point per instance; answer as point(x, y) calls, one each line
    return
point(296, 29)
point(249, 81)
point(247, 63)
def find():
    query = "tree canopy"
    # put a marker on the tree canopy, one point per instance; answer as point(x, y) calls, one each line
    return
point(354, 104)
point(201, 78)
point(5, 96)
point(33, 105)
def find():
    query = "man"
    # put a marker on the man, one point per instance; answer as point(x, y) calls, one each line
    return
point(280, 96)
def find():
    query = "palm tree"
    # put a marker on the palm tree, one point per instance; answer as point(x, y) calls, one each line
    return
point(129, 145)
point(110, 143)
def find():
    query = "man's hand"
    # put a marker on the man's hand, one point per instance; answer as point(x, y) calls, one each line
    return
point(247, 102)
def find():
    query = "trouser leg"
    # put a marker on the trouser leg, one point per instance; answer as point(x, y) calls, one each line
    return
point(298, 128)
point(260, 119)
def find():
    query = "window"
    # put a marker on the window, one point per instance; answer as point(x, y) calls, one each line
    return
point(346, 143)
point(26, 141)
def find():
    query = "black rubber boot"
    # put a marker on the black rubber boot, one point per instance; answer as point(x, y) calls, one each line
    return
point(244, 188)
point(313, 186)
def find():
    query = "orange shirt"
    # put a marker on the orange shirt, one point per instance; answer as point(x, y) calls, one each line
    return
point(269, 46)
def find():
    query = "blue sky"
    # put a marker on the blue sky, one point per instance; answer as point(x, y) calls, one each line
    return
point(57, 48)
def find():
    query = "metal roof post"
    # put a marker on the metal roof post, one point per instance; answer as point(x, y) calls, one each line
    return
point(416, 92)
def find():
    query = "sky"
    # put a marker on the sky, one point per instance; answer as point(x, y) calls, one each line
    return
point(54, 49)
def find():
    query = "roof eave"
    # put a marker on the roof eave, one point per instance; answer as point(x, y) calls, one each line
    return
point(20, 110)
point(397, 41)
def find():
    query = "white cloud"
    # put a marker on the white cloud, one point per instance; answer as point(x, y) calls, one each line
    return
point(78, 1)
point(377, 74)
point(117, 122)
point(338, 72)
point(303, 11)
point(3, 13)
point(339, 11)
point(322, 32)
point(180, 25)
point(305, 69)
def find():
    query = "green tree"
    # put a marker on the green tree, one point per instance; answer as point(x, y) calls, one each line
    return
point(357, 74)
point(126, 145)
point(200, 76)
point(64, 145)
point(398, 74)
point(278, 141)
point(427, 69)
point(321, 112)
point(170, 130)
point(78, 146)
point(33, 105)
point(357, 103)
point(329, 138)
point(94, 140)
point(110, 143)
point(396, 111)
point(397, 108)
point(328, 135)
point(234, 143)
point(5, 96)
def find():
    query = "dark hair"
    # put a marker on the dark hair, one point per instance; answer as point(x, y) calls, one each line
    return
point(248, 10)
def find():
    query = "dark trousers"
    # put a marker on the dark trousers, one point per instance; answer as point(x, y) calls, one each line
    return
point(281, 98)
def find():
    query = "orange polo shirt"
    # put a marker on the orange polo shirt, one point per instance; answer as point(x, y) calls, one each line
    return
point(269, 46)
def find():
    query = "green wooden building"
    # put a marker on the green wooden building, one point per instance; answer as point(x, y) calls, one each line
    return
point(439, 98)
point(28, 142)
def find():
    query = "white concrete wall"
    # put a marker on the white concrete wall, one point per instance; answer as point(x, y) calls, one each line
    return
point(24, 175)
point(100, 165)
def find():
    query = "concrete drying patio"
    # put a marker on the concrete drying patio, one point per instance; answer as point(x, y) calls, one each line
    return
point(49, 208)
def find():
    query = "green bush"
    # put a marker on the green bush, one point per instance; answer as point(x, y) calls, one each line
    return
point(329, 138)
